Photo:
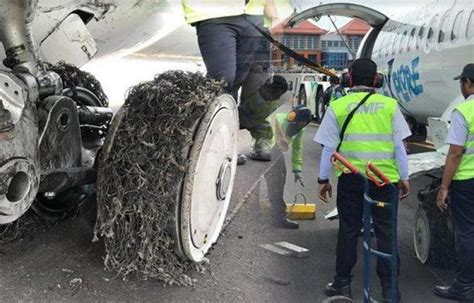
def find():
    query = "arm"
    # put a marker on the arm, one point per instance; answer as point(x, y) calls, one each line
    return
point(452, 163)
point(325, 166)
point(325, 190)
point(297, 152)
point(401, 158)
point(400, 132)
point(456, 139)
point(328, 136)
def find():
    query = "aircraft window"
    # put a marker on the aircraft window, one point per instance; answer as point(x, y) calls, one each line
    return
point(443, 28)
point(411, 40)
point(431, 33)
point(420, 36)
point(470, 26)
point(456, 25)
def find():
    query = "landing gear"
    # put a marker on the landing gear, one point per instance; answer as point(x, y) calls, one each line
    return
point(85, 91)
point(433, 236)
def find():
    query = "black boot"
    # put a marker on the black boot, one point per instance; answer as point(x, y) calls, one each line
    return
point(260, 155)
point(456, 291)
point(339, 288)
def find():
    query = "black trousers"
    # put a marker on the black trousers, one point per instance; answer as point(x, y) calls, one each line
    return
point(462, 208)
point(350, 191)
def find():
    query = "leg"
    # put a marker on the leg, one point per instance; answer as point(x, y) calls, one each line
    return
point(246, 61)
point(462, 207)
point(262, 135)
point(217, 41)
point(349, 204)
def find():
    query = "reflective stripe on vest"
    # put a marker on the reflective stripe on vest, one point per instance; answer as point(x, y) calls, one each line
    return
point(369, 135)
point(466, 167)
point(199, 10)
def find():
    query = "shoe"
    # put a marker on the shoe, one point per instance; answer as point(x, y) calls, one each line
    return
point(241, 159)
point(343, 288)
point(461, 293)
point(260, 155)
point(288, 224)
point(387, 295)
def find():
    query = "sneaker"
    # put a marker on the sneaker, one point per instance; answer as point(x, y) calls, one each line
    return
point(342, 288)
point(260, 155)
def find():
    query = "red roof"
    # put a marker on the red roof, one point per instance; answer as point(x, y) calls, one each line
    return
point(304, 27)
point(355, 27)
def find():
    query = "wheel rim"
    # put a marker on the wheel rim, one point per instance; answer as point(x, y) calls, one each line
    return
point(21, 188)
point(422, 236)
point(209, 180)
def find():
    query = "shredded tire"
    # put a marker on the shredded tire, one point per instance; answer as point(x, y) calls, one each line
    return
point(141, 171)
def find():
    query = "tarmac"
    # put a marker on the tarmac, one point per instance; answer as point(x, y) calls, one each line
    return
point(62, 264)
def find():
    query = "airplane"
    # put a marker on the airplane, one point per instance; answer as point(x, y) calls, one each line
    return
point(412, 52)
point(419, 54)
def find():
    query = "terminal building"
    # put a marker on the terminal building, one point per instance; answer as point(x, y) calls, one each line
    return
point(317, 44)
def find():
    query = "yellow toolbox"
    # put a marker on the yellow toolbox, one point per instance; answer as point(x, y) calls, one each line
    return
point(301, 210)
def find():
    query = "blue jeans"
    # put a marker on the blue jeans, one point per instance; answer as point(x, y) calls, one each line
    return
point(228, 46)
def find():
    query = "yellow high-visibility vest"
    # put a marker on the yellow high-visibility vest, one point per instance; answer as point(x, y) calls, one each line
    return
point(369, 135)
point(199, 10)
point(466, 167)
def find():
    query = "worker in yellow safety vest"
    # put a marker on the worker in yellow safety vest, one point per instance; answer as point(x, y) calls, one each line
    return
point(458, 182)
point(365, 127)
point(228, 42)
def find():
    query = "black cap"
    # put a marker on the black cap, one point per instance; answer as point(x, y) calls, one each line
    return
point(363, 68)
point(277, 82)
point(467, 72)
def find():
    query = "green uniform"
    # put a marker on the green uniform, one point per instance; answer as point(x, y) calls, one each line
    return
point(253, 116)
point(296, 142)
point(369, 135)
point(466, 167)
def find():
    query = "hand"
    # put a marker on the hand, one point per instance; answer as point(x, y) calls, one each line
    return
point(441, 199)
point(404, 187)
point(325, 192)
point(299, 177)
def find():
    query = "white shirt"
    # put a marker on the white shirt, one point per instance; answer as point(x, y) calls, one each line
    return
point(459, 129)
